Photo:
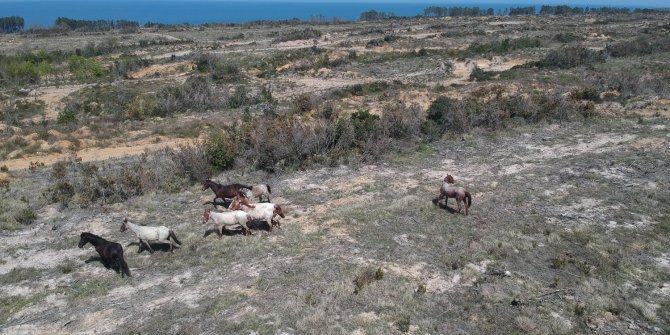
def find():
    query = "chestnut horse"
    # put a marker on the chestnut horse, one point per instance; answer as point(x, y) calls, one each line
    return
point(111, 253)
point(461, 194)
point(224, 191)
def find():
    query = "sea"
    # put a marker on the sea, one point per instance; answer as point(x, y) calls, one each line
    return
point(38, 13)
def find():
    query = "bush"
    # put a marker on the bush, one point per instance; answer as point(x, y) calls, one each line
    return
point(365, 125)
point(238, 97)
point(142, 106)
point(569, 57)
point(303, 103)
point(219, 68)
point(223, 146)
point(447, 115)
point(587, 93)
point(304, 34)
point(84, 68)
point(84, 184)
point(25, 216)
point(639, 46)
point(402, 122)
point(478, 74)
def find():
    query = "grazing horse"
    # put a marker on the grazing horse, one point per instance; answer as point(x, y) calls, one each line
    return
point(224, 191)
point(227, 219)
point(111, 253)
point(261, 212)
point(148, 234)
point(461, 194)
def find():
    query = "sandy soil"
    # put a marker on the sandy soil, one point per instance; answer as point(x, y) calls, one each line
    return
point(94, 154)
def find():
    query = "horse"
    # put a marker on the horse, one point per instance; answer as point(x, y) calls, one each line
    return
point(148, 234)
point(224, 191)
point(262, 211)
point(461, 194)
point(111, 253)
point(227, 219)
point(258, 191)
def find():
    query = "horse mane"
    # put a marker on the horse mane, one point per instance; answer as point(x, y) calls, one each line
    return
point(87, 234)
point(449, 179)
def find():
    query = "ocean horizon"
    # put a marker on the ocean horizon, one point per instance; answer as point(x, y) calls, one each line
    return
point(44, 12)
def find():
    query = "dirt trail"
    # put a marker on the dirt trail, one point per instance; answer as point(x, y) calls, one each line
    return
point(53, 96)
point(93, 154)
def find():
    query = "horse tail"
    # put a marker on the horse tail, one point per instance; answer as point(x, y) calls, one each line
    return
point(269, 189)
point(174, 237)
point(469, 198)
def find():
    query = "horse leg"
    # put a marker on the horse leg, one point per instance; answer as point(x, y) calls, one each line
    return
point(151, 250)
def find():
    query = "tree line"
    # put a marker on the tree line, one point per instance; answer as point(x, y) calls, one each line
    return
point(95, 25)
point(11, 24)
point(457, 11)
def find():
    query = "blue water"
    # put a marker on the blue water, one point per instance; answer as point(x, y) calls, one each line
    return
point(44, 13)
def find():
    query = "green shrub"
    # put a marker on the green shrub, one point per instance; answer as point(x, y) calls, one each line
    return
point(84, 68)
point(501, 47)
point(639, 46)
point(569, 57)
point(365, 125)
point(25, 216)
point(586, 93)
point(222, 148)
point(478, 74)
point(448, 115)
point(238, 97)
point(142, 106)
point(303, 103)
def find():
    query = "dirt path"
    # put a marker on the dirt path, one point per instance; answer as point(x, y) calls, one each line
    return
point(93, 154)
point(53, 96)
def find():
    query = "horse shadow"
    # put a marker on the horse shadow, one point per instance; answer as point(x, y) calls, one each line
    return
point(436, 201)
point(259, 225)
point(253, 225)
point(157, 247)
point(226, 232)
point(106, 265)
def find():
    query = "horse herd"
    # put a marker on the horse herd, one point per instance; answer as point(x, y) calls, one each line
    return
point(240, 212)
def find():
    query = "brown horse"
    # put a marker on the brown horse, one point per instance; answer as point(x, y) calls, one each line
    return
point(461, 194)
point(111, 253)
point(224, 191)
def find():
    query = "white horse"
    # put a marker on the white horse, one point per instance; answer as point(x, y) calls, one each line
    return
point(148, 234)
point(258, 191)
point(227, 219)
point(262, 211)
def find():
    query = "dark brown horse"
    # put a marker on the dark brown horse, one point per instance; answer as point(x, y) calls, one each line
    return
point(224, 191)
point(111, 253)
point(461, 194)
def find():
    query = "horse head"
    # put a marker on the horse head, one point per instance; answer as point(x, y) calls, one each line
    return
point(206, 184)
point(279, 211)
point(82, 240)
point(449, 179)
point(205, 216)
point(124, 225)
